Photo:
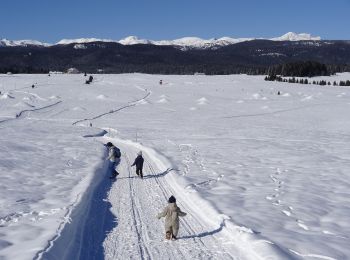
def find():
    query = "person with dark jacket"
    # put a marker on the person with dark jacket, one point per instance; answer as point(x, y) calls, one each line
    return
point(139, 164)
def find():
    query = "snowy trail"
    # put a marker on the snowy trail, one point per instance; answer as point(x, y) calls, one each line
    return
point(140, 235)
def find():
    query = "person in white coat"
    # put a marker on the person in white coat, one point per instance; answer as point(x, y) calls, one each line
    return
point(171, 213)
point(114, 158)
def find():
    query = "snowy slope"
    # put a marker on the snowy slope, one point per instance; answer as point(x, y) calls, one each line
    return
point(261, 176)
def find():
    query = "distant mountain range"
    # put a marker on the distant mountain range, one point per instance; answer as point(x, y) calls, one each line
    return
point(182, 56)
point(184, 43)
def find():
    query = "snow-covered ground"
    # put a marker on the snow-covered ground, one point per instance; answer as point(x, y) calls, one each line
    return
point(261, 175)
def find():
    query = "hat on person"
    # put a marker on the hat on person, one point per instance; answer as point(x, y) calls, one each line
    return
point(109, 144)
point(139, 153)
point(172, 199)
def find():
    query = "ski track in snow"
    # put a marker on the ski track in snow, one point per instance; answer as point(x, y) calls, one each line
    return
point(136, 202)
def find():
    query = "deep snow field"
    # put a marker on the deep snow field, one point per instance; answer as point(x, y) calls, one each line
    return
point(261, 175)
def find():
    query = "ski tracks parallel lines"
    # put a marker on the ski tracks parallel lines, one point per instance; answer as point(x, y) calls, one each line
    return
point(139, 234)
point(136, 215)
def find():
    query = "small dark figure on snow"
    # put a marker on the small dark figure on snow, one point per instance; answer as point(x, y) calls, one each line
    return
point(160, 82)
point(89, 80)
point(171, 213)
point(85, 74)
point(114, 155)
point(278, 93)
point(33, 86)
point(139, 164)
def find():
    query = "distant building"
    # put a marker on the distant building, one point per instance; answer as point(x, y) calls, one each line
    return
point(73, 71)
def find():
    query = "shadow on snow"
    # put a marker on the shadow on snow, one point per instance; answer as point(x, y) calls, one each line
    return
point(91, 222)
point(149, 176)
point(206, 233)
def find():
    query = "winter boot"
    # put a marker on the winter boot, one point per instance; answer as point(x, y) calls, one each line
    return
point(168, 235)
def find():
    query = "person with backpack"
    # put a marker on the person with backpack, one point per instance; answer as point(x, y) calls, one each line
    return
point(171, 213)
point(139, 164)
point(114, 155)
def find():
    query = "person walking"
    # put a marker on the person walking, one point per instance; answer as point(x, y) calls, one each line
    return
point(114, 155)
point(139, 164)
point(171, 213)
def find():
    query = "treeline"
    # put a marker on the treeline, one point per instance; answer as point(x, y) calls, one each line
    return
point(300, 69)
point(306, 81)
point(23, 70)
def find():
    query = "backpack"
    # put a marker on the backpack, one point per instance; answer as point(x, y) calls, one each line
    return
point(116, 152)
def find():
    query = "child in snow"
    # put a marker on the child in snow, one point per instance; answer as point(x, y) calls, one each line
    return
point(139, 164)
point(171, 213)
point(114, 158)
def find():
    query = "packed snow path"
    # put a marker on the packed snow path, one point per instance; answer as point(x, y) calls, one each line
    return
point(139, 234)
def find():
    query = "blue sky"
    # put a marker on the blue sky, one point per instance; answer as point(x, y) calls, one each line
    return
point(50, 21)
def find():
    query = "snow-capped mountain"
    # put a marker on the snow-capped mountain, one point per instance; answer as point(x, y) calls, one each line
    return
point(130, 40)
point(290, 36)
point(11, 43)
point(196, 42)
point(82, 40)
point(184, 43)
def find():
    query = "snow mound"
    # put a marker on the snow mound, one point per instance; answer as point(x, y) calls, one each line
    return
point(286, 95)
point(257, 96)
point(202, 101)
point(101, 97)
point(193, 108)
point(163, 100)
point(306, 98)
